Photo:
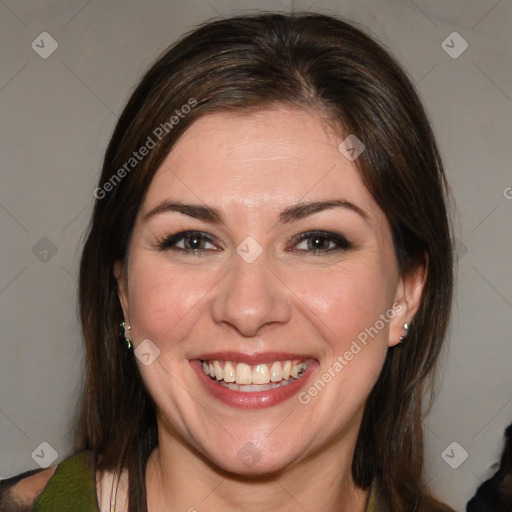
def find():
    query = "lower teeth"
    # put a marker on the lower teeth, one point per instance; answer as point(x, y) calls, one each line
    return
point(249, 388)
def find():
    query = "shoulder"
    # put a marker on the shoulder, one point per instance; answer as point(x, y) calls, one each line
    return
point(378, 503)
point(21, 491)
point(55, 488)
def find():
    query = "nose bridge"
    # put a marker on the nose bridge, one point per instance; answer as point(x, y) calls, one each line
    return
point(252, 296)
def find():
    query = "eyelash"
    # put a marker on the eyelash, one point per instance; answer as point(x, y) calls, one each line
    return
point(169, 242)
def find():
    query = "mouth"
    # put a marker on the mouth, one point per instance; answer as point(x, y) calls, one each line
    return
point(256, 381)
point(253, 378)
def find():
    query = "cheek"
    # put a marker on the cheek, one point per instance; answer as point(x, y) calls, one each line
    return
point(343, 303)
point(163, 299)
point(346, 307)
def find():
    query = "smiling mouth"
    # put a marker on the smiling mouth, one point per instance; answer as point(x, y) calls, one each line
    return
point(253, 378)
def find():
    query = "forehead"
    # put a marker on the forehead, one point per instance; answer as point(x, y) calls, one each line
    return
point(269, 158)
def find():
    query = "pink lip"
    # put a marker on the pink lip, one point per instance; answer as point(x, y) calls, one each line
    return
point(258, 399)
point(260, 358)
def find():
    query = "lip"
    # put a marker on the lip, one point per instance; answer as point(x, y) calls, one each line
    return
point(252, 359)
point(257, 399)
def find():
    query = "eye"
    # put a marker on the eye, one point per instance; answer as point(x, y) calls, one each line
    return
point(320, 242)
point(190, 241)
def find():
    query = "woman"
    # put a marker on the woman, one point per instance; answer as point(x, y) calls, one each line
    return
point(271, 231)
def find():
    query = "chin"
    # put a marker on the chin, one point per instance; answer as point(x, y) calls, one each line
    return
point(252, 467)
point(253, 462)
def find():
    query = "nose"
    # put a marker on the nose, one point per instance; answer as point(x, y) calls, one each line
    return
point(251, 298)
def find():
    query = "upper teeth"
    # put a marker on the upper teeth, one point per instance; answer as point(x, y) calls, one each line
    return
point(242, 373)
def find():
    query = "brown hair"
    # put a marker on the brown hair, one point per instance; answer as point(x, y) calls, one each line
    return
point(247, 63)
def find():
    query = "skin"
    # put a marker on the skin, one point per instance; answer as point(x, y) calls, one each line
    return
point(251, 167)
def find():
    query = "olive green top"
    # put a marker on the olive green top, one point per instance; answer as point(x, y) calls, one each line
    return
point(73, 488)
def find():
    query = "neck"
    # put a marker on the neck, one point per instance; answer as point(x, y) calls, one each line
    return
point(180, 478)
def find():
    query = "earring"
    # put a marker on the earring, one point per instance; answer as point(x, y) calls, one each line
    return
point(406, 329)
point(127, 344)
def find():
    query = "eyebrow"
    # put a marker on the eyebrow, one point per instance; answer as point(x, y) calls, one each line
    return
point(293, 213)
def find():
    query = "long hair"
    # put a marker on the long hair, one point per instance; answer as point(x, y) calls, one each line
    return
point(244, 64)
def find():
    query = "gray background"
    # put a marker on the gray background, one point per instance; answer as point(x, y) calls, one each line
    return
point(58, 113)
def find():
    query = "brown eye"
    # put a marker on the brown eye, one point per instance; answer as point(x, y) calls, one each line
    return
point(318, 243)
point(189, 241)
point(321, 242)
point(193, 242)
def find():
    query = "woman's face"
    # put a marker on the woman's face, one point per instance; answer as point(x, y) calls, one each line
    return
point(258, 255)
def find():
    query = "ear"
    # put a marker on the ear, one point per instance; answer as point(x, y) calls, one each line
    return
point(407, 300)
point(122, 289)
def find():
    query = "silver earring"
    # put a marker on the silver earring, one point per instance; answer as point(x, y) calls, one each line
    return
point(123, 329)
point(406, 329)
